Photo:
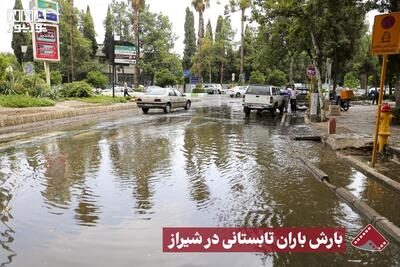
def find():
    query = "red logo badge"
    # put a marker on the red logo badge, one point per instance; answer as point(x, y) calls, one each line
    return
point(370, 239)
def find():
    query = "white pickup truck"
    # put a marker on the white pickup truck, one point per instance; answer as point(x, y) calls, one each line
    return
point(262, 97)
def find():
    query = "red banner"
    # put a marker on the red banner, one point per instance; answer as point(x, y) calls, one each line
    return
point(254, 240)
point(46, 44)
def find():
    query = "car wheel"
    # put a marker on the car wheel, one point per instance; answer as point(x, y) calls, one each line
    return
point(145, 110)
point(188, 104)
point(237, 94)
point(167, 108)
point(247, 111)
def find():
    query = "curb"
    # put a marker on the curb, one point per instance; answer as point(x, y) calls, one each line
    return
point(47, 116)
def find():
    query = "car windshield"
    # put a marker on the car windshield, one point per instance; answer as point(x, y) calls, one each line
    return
point(156, 91)
point(258, 90)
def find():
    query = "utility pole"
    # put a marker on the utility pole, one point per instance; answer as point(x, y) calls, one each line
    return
point(71, 39)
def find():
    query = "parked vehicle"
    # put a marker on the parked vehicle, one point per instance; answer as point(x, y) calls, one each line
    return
point(212, 89)
point(163, 98)
point(238, 91)
point(262, 97)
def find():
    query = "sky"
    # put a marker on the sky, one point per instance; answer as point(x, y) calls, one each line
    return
point(175, 12)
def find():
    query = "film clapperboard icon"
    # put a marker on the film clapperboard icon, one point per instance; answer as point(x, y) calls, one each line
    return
point(370, 239)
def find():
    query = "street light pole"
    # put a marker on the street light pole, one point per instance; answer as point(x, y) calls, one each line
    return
point(24, 48)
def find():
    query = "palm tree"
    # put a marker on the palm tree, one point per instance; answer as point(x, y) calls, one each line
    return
point(138, 6)
point(200, 6)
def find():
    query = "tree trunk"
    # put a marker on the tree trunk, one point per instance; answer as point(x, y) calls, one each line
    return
point(221, 80)
point(242, 44)
point(291, 69)
point(201, 28)
point(317, 63)
point(137, 42)
point(71, 40)
point(209, 73)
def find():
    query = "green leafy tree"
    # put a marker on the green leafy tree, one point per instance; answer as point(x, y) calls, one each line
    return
point(351, 81)
point(204, 59)
point(158, 42)
point(19, 38)
point(200, 6)
point(121, 19)
point(223, 42)
point(242, 5)
point(165, 78)
point(190, 40)
point(82, 46)
point(303, 27)
point(257, 77)
point(88, 31)
point(138, 6)
point(108, 37)
point(209, 31)
point(276, 77)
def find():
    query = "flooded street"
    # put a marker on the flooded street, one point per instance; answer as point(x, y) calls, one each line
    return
point(99, 195)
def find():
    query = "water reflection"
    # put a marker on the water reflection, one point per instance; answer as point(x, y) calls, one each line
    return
point(108, 192)
point(136, 156)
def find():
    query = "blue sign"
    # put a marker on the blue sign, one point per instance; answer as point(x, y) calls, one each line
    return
point(194, 79)
point(186, 73)
point(50, 16)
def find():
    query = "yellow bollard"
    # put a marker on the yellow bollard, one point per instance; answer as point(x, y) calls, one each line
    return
point(384, 130)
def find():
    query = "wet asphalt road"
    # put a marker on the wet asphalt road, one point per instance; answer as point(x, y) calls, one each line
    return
point(99, 195)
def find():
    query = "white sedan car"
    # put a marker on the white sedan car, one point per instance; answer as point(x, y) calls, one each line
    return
point(238, 91)
point(162, 98)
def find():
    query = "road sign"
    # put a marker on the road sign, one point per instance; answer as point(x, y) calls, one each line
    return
point(386, 34)
point(311, 71)
point(194, 79)
point(46, 44)
point(186, 73)
point(125, 54)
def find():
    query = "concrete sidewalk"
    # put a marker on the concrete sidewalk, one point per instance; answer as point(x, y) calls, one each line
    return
point(359, 120)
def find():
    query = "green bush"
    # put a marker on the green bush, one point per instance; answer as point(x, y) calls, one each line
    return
point(55, 77)
point(35, 86)
point(257, 77)
point(76, 89)
point(165, 78)
point(103, 100)
point(199, 86)
point(97, 79)
point(199, 91)
point(23, 101)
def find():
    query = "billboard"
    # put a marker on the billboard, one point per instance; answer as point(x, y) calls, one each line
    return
point(125, 54)
point(47, 11)
point(46, 44)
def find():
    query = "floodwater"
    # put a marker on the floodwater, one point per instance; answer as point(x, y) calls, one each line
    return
point(99, 195)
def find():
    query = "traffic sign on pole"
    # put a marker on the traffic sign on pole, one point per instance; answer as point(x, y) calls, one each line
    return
point(311, 71)
point(386, 34)
point(385, 41)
